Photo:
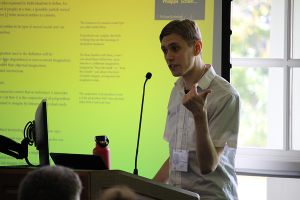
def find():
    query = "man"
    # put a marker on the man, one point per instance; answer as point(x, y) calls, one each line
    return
point(203, 119)
point(50, 183)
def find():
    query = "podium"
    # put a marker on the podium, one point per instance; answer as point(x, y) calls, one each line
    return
point(97, 181)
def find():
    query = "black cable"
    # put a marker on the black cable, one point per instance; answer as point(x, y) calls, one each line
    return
point(27, 161)
point(28, 132)
point(29, 139)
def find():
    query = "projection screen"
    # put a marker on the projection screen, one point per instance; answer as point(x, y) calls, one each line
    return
point(89, 60)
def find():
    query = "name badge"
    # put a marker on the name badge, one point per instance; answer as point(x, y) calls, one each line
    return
point(180, 160)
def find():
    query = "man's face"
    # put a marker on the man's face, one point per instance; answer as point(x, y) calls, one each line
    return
point(178, 55)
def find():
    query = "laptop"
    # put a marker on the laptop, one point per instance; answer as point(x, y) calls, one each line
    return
point(79, 161)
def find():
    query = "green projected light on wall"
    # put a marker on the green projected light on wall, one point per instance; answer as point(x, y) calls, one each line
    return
point(89, 60)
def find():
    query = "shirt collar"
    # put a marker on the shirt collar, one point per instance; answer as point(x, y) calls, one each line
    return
point(203, 83)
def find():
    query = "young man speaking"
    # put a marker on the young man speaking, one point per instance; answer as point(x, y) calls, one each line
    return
point(203, 119)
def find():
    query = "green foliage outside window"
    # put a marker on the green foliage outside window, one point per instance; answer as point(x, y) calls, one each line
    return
point(251, 21)
point(252, 84)
point(250, 38)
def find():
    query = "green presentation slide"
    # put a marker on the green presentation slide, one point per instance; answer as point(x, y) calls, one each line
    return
point(89, 60)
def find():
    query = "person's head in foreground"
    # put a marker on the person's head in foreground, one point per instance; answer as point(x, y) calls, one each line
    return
point(119, 193)
point(50, 183)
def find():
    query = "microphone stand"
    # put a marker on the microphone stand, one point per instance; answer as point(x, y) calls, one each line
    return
point(135, 171)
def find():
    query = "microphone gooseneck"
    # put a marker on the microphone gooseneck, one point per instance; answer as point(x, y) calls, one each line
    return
point(148, 76)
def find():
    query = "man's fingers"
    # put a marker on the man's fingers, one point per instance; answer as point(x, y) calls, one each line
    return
point(205, 93)
point(194, 89)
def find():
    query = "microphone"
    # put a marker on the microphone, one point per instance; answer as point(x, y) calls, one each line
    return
point(148, 75)
point(135, 171)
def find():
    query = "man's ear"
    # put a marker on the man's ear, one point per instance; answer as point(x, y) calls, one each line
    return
point(198, 47)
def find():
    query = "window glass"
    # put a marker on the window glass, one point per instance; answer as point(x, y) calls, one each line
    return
point(251, 187)
point(283, 188)
point(257, 28)
point(296, 29)
point(295, 105)
point(268, 188)
point(261, 92)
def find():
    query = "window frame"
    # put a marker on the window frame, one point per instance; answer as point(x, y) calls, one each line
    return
point(269, 162)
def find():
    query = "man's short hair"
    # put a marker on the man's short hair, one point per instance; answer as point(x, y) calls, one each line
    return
point(50, 183)
point(187, 29)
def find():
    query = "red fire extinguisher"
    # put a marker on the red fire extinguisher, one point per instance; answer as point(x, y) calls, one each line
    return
point(102, 149)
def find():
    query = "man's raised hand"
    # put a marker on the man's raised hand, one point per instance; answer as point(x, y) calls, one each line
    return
point(194, 102)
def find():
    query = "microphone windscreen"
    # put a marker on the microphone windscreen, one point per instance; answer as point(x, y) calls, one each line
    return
point(148, 75)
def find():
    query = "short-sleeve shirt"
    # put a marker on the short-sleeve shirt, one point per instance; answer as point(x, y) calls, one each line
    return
point(223, 112)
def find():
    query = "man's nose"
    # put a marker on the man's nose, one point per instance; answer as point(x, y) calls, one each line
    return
point(169, 56)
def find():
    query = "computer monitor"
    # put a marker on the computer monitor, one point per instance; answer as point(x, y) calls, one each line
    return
point(40, 133)
point(35, 132)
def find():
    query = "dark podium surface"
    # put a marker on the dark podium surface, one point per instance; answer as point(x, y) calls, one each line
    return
point(96, 181)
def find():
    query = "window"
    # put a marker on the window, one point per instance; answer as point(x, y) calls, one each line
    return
point(295, 109)
point(251, 187)
point(265, 52)
point(268, 188)
point(295, 21)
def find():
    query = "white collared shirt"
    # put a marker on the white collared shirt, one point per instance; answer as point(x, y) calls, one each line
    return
point(223, 111)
